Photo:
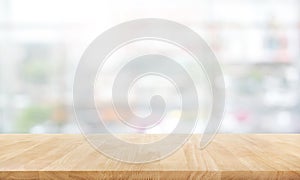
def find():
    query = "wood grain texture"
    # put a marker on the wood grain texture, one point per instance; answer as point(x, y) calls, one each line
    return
point(229, 156)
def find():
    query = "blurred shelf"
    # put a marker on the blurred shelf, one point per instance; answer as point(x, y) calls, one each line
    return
point(249, 63)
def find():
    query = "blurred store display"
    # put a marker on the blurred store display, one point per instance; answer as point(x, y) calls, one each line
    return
point(257, 43)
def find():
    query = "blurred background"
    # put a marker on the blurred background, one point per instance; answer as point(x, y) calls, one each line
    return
point(256, 41)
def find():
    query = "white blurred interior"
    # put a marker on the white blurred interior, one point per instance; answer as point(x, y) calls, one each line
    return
point(256, 41)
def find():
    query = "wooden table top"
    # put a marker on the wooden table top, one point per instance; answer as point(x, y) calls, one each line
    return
point(229, 156)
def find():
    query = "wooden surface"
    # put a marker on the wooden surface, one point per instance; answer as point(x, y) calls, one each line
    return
point(229, 156)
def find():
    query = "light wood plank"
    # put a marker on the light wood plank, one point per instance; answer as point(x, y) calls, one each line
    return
point(229, 156)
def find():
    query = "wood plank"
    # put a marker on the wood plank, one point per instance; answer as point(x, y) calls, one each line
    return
point(229, 156)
